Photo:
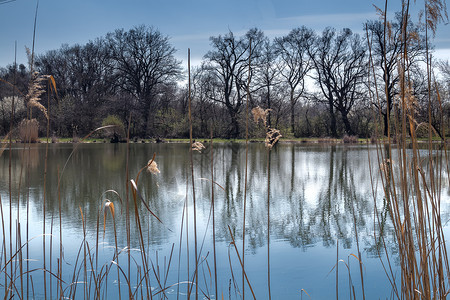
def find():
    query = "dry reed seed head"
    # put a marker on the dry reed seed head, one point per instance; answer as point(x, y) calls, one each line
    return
point(413, 36)
point(272, 137)
point(382, 15)
point(379, 12)
point(153, 167)
point(35, 90)
point(260, 114)
point(109, 205)
point(409, 99)
point(198, 146)
point(389, 31)
point(436, 12)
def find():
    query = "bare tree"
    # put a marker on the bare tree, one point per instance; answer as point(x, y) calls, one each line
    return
point(83, 75)
point(339, 60)
point(205, 88)
point(144, 59)
point(295, 64)
point(444, 68)
point(229, 59)
point(388, 44)
point(267, 78)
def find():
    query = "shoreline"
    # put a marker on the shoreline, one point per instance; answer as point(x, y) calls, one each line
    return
point(325, 140)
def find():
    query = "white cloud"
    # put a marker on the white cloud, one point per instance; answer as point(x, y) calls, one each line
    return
point(442, 54)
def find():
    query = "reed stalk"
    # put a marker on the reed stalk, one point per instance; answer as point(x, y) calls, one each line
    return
point(246, 166)
point(361, 274)
point(213, 213)
point(61, 291)
point(4, 251)
point(337, 269)
point(376, 99)
point(127, 199)
point(192, 177)
point(45, 195)
point(184, 212)
point(27, 219)
point(268, 221)
point(144, 261)
point(412, 190)
point(233, 243)
point(9, 167)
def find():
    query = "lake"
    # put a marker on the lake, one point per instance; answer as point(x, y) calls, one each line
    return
point(314, 208)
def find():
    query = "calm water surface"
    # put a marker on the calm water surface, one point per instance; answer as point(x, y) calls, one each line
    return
point(318, 198)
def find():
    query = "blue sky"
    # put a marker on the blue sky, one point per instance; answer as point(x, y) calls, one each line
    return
point(188, 23)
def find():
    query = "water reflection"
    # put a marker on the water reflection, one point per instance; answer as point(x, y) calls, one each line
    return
point(314, 189)
point(319, 193)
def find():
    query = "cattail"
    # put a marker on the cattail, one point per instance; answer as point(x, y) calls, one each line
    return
point(152, 167)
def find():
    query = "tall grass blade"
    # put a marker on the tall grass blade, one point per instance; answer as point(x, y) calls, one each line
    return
point(192, 176)
point(233, 243)
point(213, 214)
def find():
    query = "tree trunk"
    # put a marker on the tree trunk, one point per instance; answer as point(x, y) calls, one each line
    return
point(268, 106)
point(292, 113)
point(333, 129)
point(386, 123)
point(348, 127)
point(387, 113)
point(149, 119)
point(308, 123)
point(234, 131)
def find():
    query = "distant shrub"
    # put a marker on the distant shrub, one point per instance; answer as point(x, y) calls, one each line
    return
point(171, 123)
point(350, 139)
point(373, 139)
point(28, 131)
point(115, 133)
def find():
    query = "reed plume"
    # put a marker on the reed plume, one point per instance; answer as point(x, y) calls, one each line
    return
point(272, 137)
point(260, 114)
point(411, 188)
point(152, 167)
point(198, 146)
point(35, 90)
point(108, 206)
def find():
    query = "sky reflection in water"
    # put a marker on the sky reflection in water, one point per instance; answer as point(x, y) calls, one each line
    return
point(318, 194)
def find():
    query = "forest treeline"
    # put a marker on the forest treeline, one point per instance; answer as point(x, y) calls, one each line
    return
point(332, 83)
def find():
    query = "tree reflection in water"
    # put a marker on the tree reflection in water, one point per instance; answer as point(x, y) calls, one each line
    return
point(318, 194)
